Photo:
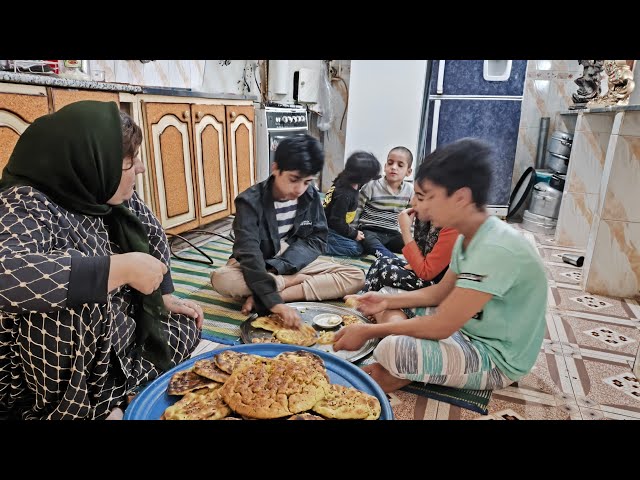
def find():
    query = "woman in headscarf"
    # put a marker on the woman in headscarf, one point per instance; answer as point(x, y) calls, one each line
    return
point(86, 311)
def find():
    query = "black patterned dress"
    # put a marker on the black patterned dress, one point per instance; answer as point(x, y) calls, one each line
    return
point(58, 362)
point(391, 271)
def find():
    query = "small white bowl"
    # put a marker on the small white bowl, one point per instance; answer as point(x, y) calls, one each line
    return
point(327, 320)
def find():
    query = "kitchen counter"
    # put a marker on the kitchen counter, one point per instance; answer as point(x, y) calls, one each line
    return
point(55, 81)
point(604, 109)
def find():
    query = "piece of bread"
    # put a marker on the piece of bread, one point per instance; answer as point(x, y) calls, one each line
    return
point(350, 319)
point(203, 404)
point(208, 369)
point(306, 336)
point(348, 403)
point(274, 389)
point(326, 338)
point(273, 323)
point(351, 302)
point(305, 416)
point(228, 360)
point(187, 381)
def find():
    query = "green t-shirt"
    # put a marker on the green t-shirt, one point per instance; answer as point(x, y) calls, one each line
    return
point(500, 261)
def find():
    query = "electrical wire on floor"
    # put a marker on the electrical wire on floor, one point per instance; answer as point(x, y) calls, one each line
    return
point(172, 238)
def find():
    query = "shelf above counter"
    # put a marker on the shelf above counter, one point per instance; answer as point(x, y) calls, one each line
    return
point(55, 81)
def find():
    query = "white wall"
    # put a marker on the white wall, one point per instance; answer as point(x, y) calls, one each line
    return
point(385, 104)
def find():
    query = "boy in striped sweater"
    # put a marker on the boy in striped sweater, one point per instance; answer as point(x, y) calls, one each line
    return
point(380, 203)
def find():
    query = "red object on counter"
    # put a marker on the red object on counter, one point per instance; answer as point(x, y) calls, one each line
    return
point(55, 66)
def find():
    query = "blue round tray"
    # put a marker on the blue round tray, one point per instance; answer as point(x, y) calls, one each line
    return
point(151, 403)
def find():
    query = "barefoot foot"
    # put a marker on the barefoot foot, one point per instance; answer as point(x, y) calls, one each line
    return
point(387, 382)
point(247, 306)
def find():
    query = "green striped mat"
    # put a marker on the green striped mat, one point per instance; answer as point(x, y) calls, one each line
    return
point(222, 317)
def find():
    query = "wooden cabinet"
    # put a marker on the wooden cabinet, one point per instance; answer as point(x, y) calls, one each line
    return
point(241, 134)
point(200, 155)
point(20, 105)
point(64, 96)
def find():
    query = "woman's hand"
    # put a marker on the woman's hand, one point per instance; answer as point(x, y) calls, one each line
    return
point(139, 270)
point(360, 236)
point(370, 303)
point(185, 307)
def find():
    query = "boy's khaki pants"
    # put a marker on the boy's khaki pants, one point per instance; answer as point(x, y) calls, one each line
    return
point(328, 280)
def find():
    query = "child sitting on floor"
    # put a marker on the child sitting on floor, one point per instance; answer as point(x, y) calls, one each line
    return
point(341, 202)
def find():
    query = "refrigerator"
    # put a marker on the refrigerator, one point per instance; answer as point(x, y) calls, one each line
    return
point(483, 99)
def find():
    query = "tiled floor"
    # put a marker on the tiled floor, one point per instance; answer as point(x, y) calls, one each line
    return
point(583, 371)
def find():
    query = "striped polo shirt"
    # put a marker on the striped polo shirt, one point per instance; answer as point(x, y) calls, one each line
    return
point(379, 205)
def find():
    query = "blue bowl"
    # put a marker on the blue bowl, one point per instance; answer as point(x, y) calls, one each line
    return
point(151, 403)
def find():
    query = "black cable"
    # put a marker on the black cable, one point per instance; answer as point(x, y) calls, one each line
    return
point(172, 237)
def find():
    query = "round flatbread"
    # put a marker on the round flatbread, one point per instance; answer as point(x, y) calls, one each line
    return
point(305, 336)
point(275, 388)
point(203, 404)
point(228, 360)
point(186, 381)
point(208, 369)
point(273, 323)
point(348, 403)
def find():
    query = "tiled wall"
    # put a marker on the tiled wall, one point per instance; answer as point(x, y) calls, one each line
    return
point(158, 73)
point(582, 189)
point(547, 91)
point(612, 262)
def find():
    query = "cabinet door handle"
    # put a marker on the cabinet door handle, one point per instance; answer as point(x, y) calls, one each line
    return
point(233, 115)
point(199, 116)
point(185, 115)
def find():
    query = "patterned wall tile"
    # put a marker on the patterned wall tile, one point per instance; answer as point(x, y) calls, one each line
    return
point(621, 197)
point(197, 73)
point(615, 260)
point(560, 92)
point(180, 73)
point(130, 71)
point(107, 66)
point(574, 220)
point(156, 73)
point(526, 150)
point(597, 122)
point(534, 102)
point(586, 162)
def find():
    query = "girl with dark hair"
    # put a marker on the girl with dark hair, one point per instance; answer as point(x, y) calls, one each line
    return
point(341, 202)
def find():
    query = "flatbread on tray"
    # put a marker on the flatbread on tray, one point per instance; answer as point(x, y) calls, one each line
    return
point(203, 404)
point(274, 389)
point(306, 335)
point(348, 402)
point(209, 369)
point(187, 381)
point(273, 323)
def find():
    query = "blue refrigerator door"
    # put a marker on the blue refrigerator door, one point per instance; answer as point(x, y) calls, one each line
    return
point(466, 77)
point(495, 121)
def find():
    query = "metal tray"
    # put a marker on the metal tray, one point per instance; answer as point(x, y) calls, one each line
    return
point(307, 311)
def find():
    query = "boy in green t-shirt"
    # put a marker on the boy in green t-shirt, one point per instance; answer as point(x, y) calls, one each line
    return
point(488, 327)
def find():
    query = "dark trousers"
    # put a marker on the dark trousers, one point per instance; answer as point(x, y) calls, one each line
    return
point(382, 243)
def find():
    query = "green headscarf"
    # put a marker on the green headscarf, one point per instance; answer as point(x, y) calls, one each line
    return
point(74, 156)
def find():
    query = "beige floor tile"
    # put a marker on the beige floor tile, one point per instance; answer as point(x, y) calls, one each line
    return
point(589, 382)
point(564, 301)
